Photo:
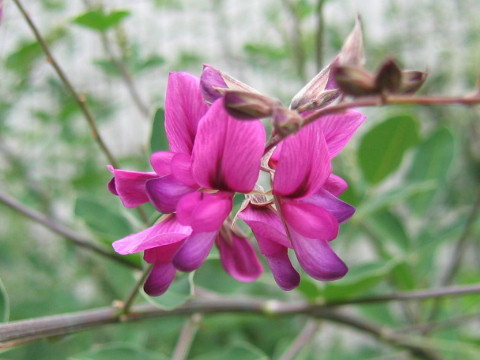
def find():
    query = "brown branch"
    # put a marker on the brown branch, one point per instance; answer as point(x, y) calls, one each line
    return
point(21, 332)
point(33, 329)
point(59, 229)
point(369, 101)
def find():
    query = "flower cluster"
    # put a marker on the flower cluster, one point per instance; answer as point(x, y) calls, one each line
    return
point(214, 155)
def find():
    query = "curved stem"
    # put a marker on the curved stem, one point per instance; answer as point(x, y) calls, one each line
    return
point(80, 100)
point(59, 229)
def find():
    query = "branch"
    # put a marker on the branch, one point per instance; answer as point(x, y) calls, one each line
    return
point(369, 101)
point(22, 331)
point(189, 330)
point(63, 231)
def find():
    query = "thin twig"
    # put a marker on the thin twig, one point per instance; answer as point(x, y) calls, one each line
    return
point(127, 304)
point(441, 324)
point(57, 228)
point(80, 100)
point(185, 340)
point(458, 253)
point(303, 338)
point(296, 38)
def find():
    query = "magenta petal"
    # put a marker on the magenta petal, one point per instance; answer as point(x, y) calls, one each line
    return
point(283, 272)
point(204, 212)
point(317, 258)
point(267, 228)
point(339, 128)
point(194, 251)
point(310, 220)
point(163, 233)
point(182, 169)
point(303, 164)
point(111, 183)
point(130, 186)
point(166, 192)
point(335, 185)
point(159, 279)
point(227, 152)
point(338, 208)
point(184, 106)
point(161, 162)
point(239, 259)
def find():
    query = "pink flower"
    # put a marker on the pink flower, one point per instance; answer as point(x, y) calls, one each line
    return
point(308, 212)
point(212, 157)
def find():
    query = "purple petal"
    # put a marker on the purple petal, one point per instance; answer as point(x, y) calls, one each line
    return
point(303, 164)
point(338, 208)
point(163, 233)
point(317, 258)
point(310, 220)
point(227, 152)
point(182, 169)
point(204, 212)
point(184, 106)
point(161, 162)
point(162, 253)
point(166, 192)
point(283, 272)
point(194, 251)
point(267, 228)
point(159, 279)
point(130, 186)
point(335, 185)
point(239, 259)
point(339, 128)
point(210, 80)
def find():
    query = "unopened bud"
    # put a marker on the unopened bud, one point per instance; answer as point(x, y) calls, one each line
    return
point(352, 52)
point(246, 105)
point(286, 121)
point(354, 80)
point(412, 81)
point(213, 81)
point(389, 77)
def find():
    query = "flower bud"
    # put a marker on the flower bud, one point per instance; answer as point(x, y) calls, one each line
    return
point(412, 81)
point(352, 52)
point(247, 105)
point(286, 121)
point(354, 80)
point(213, 81)
point(389, 77)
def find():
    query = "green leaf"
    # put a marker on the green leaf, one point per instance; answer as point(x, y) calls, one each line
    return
point(100, 21)
point(389, 227)
point(158, 138)
point(309, 288)
point(391, 198)
point(212, 269)
point(358, 280)
point(432, 162)
point(117, 352)
point(4, 303)
point(102, 219)
point(177, 294)
point(382, 148)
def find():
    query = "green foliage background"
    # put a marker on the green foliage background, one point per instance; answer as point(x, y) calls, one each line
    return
point(413, 171)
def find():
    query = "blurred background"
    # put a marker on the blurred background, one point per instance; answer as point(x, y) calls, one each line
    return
point(413, 171)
